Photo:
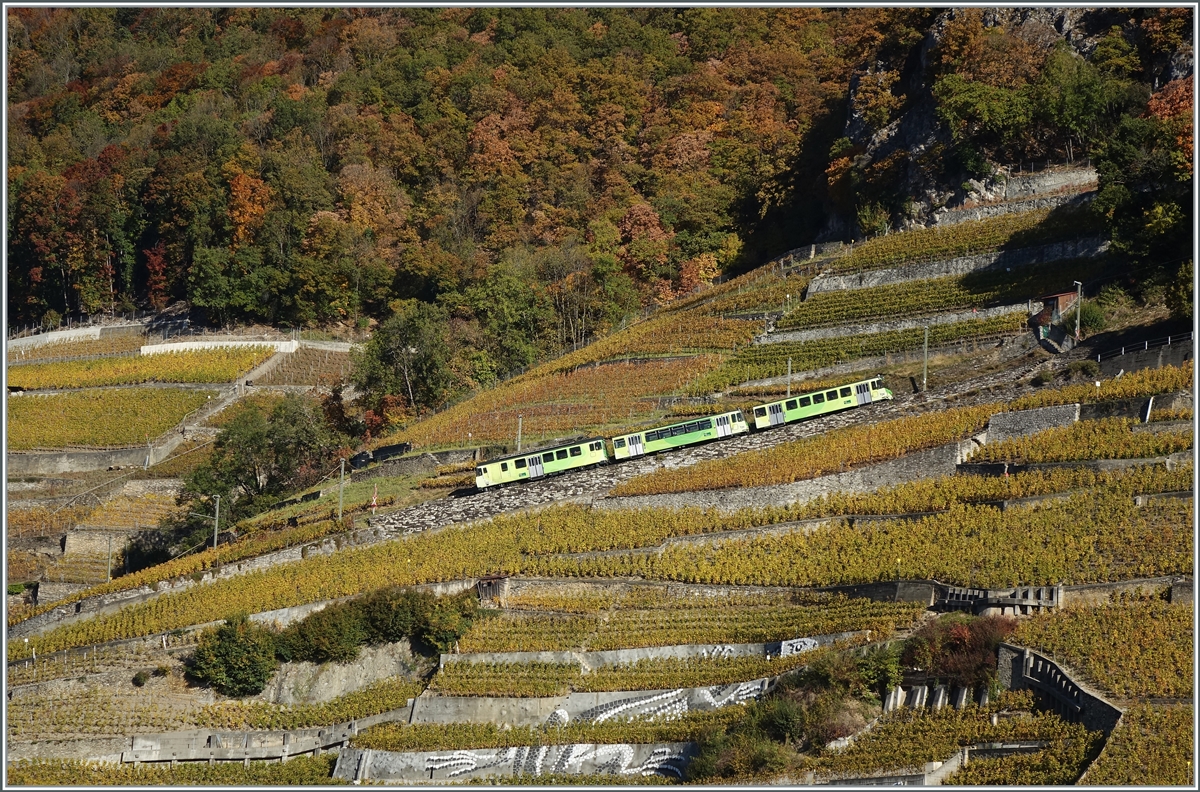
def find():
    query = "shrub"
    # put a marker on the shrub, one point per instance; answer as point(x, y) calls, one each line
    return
point(958, 648)
point(1043, 377)
point(333, 634)
point(162, 671)
point(392, 613)
point(140, 678)
point(15, 588)
point(237, 658)
point(1088, 369)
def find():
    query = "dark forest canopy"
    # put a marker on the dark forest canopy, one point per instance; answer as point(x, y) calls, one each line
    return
point(523, 178)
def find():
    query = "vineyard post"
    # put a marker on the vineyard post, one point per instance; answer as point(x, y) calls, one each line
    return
point(925, 367)
point(789, 379)
point(1078, 306)
point(520, 419)
point(341, 483)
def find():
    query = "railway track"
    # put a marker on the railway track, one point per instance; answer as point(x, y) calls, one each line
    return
point(589, 485)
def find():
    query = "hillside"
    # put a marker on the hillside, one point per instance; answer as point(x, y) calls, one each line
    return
point(958, 547)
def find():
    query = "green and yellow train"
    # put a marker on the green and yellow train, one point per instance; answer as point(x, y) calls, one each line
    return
point(543, 462)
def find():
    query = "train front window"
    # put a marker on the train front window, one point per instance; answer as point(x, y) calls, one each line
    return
point(480, 471)
point(875, 385)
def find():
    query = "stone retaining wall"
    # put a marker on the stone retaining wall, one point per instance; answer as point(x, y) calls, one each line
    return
point(1137, 359)
point(940, 461)
point(1077, 248)
point(1022, 423)
point(790, 336)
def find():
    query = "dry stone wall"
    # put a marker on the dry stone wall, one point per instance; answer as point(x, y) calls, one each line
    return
point(1076, 248)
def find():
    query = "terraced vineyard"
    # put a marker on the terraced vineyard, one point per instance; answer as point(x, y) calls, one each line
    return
point(310, 366)
point(558, 404)
point(111, 345)
point(684, 622)
point(1110, 438)
point(1006, 232)
point(1150, 747)
point(98, 418)
point(770, 360)
point(1136, 647)
point(197, 365)
point(925, 297)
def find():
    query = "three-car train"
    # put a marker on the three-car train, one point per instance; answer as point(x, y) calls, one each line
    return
point(531, 465)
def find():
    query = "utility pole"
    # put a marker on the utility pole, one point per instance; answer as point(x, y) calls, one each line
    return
point(216, 518)
point(925, 368)
point(110, 558)
point(341, 483)
point(520, 418)
point(1078, 306)
point(789, 385)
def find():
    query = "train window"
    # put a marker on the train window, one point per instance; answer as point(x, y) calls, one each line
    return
point(651, 436)
point(576, 451)
point(480, 471)
point(845, 392)
point(737, 416)
point(805, 401)
point(520, 463)
point(503, 466)
point(693, 427)
point(875, 385)
point(818, 398)
point(791, 405)
point(679, 430)
point(619, 442)
point(760, 411)
point(831, 395)
point(548, 456)
point(706, 423)
point(561, 454)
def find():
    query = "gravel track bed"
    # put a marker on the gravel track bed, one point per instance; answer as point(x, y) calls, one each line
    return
point(587, 486)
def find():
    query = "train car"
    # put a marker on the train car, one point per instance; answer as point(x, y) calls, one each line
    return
point(822, 402)
point(680, 434)
point(536, 464)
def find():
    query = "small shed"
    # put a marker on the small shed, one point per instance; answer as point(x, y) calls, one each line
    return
point(1055, 305)
point(490, 587)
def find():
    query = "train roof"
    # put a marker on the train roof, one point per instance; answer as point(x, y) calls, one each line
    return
point(541, 450)
point(800, 393)
point(693, 419)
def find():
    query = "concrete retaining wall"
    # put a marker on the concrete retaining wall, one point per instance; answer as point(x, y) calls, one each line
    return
point(582, 707)
point(1023, 423)
point(1020, 668)
point(940, 461)
point(180, 346)
point(366, 766)
point(1077, 248)
point(783, 336)
point(1137, 359)
point(592, 660)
